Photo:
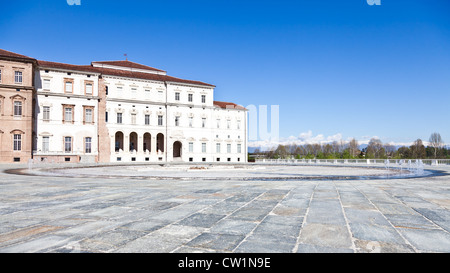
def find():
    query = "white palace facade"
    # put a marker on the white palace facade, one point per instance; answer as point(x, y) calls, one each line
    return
point(121, 111)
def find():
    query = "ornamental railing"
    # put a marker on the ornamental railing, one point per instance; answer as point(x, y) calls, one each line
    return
point(431, 162)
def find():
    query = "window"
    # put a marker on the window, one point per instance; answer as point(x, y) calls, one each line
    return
point(119, 89)
point(217, 147)
point(133, 118)
point(46, 113)
point(88, 145)
point(119, 118)
point(177, 96)
point(45, 144)
point(106, 90)
point(17, 109)
point(88, 115)
point(147, 119)
point(203, 147)
point(160, 120)
point(46, 85)
point(68, 113)
point(0, 75)
point(177, 121)
point(67, 144)
point(106, 116)
point(88, 88)
point(238, 124)
point(17, 142)
point(18, 76)
point(203, 98)
point(239, 148)
point(190, 97)
point(228, 124)
point(191, 147)
point(68, 88)
point(203, 122)
point(228, 148)
point(191, 120)
point(218, 123)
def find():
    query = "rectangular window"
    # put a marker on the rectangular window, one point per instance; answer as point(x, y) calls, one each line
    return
point(88, 115)
point(203, 98)
point(106, 116)
point(218, 123)
point(203, 122)
point(203, 147)
point(17, 142)
point(88, 88)
point(18, 76)
point(45, 144)
point(68, 87)
point(46, 85)
point(191, 120)
point(228, 124)
point(191, 147)
point(147, 119)
point(88, 145)
point(177, 121)
point(190, 97)
point(67, 144)
point(46, 113)
point(119, 89)
point(160, 120)
point(133, 119)
point(228, 148)
point(238, 124)
point(119, 118)
point(17, 109)
point(0, 75)
point(239, 148)
point(68, 112)
point(217, 147)
point(177, 96)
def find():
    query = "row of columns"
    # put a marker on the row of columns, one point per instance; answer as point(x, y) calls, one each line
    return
point(134, 142)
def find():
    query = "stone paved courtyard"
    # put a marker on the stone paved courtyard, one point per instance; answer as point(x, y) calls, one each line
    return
point(85, 214)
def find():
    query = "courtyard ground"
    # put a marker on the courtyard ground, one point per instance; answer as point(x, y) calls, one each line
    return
point(126, 214)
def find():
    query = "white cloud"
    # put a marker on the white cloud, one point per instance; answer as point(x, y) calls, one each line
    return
point(301, 139)
point(309, 138)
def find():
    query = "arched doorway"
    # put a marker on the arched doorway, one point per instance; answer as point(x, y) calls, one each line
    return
point(177, 149)
point(160, 143)
point(118, 140)
point(147, 142)
point(133, 142)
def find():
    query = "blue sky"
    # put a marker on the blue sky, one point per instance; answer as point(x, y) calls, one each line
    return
point(337, 69)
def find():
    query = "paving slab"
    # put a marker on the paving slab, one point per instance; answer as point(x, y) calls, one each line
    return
point(86, 214)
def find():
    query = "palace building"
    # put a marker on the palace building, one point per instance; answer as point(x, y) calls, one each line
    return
point(113, 111)
point(16, 106)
